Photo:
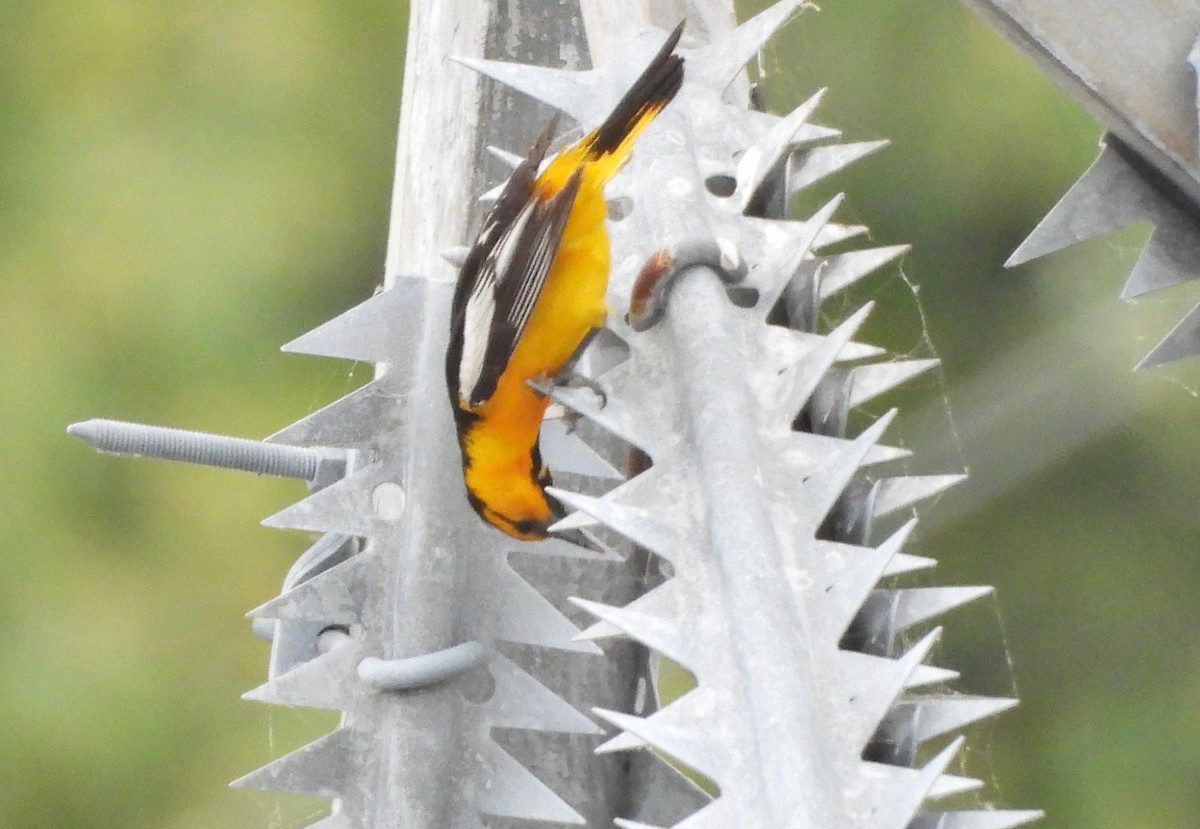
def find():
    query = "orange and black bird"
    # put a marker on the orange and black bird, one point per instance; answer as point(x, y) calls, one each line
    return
point(529, 296)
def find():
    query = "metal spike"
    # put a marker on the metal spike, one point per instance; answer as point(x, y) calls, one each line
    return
point(294, 642)
point(841, 581)
point(488, 197)
point(333, 597)
point(822, 490)
point(694, 711)
point(384, 329)
point(361, 504)
point(648, 491)
point(949, 785)
point(898, 493)
point(1182, 341)
point(903, 563)
point(614, 416)
point(1088, 209)
point(567, 548)
point(582, 95)
point(888, 612)
point(716, 65)
point(926, 675)
point(1170, 256)
point(529, 618)
point(841, 270)
point(327, 682)
point(510, 160)
point(936, 768)
point(833, 233)
point(869, 381)
point(520, 701)
point(688, 744)
point(658, 634)
point(326, 553)
point(931, 717)
point(661, 602)
point(914, 658)
point(812, 165)
point(322, 768)
point(894, 794)
point(636, 524)
point(624, 741)
point(564, 451)
point(658, 794)
point(802, 379)
point(356, 420)
point(512, 791)
point(781, 265)
point(982, 819)
point(760, 162)
point(785, 347)
point(579, 521)
point(806, 451)
point(918, 604)
point(869, 685)
point(456, 256)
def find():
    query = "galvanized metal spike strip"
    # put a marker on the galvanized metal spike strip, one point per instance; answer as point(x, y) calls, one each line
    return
point(734, 500)
point(1140, 82)
point(1118, 190)
point(768, 533)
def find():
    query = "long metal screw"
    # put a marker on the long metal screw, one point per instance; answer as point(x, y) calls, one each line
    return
point(140, 440)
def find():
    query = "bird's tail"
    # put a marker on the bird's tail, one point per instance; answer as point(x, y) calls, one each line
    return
point(611, 141)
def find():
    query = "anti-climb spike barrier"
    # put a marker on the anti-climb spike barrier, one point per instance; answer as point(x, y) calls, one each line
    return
point(736, 518)
point(766, 570)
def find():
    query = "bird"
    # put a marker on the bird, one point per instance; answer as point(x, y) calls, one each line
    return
point(530, 295)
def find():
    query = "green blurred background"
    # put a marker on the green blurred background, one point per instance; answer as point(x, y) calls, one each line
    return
point(187, 186)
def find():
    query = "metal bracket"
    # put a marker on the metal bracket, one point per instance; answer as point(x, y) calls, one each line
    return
point(424, 670)
point(652, 287)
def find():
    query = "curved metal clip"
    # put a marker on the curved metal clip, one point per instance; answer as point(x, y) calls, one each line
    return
point(653, 285)
point(424, 670)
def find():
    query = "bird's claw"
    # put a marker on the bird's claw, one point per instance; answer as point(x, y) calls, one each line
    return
point(545, 385)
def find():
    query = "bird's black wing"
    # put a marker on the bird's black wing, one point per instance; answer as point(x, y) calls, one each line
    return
point(502, 278)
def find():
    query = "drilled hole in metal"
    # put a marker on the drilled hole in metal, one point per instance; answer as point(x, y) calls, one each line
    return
point(721, 185)
point(478, 685)
point(332, 637)
point(387, 500)
point(742, 296)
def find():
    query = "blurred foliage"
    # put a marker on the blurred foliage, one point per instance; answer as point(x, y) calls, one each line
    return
point(187, 187)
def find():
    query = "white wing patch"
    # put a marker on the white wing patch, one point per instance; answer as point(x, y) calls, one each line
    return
point(500, 260)
point(508, 282)
point(545, 246)
point(477, 324)
point(480, 315)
